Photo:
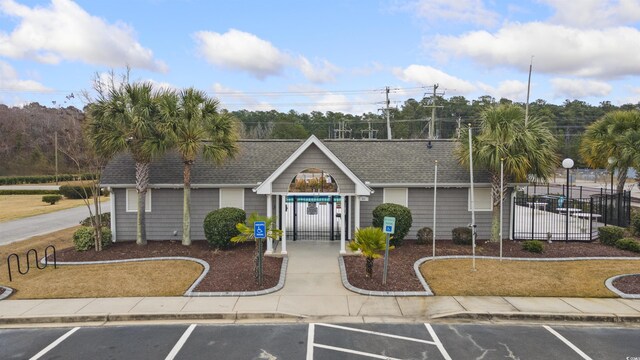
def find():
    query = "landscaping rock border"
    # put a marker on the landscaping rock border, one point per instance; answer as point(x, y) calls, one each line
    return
point(7, 292)
point(609, 284)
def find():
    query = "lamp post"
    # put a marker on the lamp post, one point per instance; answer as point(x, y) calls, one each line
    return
point(611, 160)
point(567, 164)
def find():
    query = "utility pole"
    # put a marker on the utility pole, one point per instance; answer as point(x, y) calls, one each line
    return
point(458, 129)
point(369, 133)
point(433, 107)
point(387, 113)
point(342, 132)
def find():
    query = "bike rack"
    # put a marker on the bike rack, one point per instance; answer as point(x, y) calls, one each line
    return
point(35, 255)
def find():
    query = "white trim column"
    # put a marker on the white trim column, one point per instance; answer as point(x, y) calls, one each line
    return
point(284, 225)
point(356, 214)
point(112, 204)
point(343, 209)
point(269, 215)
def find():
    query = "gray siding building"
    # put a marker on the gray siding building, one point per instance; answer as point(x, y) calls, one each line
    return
point(262, 178)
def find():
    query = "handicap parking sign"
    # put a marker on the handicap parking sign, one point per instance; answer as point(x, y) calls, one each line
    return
point(260, 230)
point(389, 225)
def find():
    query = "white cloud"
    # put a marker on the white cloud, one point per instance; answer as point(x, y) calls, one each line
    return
point(633, 98)
point(465, 11)
point(239, 50)
point(607, 53)
point(427, 75)
point(65, 31)
point(595, 13)
point(509, 89)
point(232, 99)
point(10, 81)
point(578, 88)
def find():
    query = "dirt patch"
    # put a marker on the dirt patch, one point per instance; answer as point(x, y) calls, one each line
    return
point(628, 284)
point(402, 277)
point(231, 270)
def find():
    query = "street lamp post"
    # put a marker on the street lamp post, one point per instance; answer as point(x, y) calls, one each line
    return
point(611, 161)
point(567, 164)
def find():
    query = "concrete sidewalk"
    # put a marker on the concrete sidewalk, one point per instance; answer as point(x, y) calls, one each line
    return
point(313, 291)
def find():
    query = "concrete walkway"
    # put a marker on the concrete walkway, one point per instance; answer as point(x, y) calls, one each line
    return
point(313, 291)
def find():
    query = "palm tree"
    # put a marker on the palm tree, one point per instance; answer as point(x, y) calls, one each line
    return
point(197, 128)
point(528, 149)
point(615, 136)
point(246, 234)
point(127, 118)
point(370, 241)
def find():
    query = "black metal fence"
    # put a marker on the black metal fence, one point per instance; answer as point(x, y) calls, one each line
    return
point(563, 218)
point(312, 217)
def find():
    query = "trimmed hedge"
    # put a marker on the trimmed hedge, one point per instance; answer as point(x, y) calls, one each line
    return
point(105, 220)
point(403, 220)
point(534, 246)
point(84, 239)
point(220, 226)
point(610, 234)
point(628, 244)
point(424, 235)
point(51, 199)
point(635, 222)
point(462, 236)
point(28, 192)
point(43, 179)
point(78, 192)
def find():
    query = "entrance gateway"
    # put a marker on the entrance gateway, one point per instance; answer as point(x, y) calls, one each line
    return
point(315, 217)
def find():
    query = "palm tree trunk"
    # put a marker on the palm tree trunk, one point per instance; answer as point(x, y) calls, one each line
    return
point(142, 185)
point(186, 204)
point(496, 193)
point(369, 267)
point(621, 179)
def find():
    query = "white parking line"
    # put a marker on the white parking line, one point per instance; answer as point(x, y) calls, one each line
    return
point(310, 336)
point(375, 356)
point(54, 344)
point(379, 334)
point(436, 339)
point(180, 343)
point(569, 344)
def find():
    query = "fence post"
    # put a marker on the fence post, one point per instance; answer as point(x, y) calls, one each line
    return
point(591, 219)
point(533, 216)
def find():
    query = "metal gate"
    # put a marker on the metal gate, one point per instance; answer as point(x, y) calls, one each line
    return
point(314, 217)
point(557, 218)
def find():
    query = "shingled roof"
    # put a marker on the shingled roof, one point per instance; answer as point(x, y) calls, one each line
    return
point(378, 162)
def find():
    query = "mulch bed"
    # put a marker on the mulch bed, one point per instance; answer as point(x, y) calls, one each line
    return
point(628, 284)
point(231, 270)
point(1, 291)
point(402, 277)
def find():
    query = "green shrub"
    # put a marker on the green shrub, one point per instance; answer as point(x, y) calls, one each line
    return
point(105, 220)
point(28, 192)
point(43, 179)
point(635, 222)
point(403, 220)
point(610, 234)
point(51, 199)
point(462, 236)
point(220, 226)
point(84, 239)
point(75, 192)
point(424, 235)
point(628, 244)
point(534, 246)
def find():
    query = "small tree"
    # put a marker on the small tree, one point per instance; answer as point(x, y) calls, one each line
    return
point(246, 234)
point(370, 241)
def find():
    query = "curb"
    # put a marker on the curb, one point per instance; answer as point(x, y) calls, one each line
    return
point(609, 284)
point(609, 318)
point(63, 319)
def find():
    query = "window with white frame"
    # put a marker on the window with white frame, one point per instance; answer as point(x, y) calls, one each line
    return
point(398, 196)
point(132, 201)
point(232, 198)
point(483, 201)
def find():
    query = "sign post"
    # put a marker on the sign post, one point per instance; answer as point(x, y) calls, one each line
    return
point(260, 232)
point(389, 227)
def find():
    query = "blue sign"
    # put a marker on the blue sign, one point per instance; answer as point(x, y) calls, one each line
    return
point(260, 230)
point(389, 225)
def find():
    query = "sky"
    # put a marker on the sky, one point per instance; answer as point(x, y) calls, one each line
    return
point(323, 55)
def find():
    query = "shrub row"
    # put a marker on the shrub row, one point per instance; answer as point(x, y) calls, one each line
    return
point(28, 192)
point(42, 179)
point(635, 222)
point(628, 244)
point(610, 234)
point(79, 192)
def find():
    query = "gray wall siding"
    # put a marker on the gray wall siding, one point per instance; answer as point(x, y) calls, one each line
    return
point(313, 157)
point(452, 211)
point(255, 203)
point(166, 214)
